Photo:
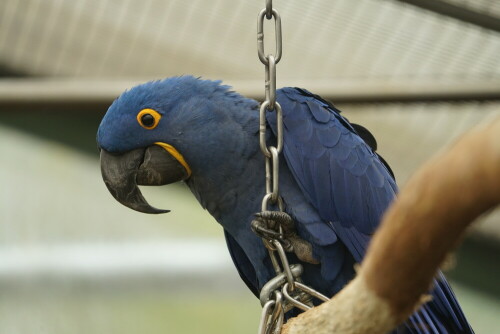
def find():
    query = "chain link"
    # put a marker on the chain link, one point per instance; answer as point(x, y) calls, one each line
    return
point(260, 32)
point(273, 315)
point(285, 291)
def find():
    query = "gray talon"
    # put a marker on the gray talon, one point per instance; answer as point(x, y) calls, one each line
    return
point(266, 224)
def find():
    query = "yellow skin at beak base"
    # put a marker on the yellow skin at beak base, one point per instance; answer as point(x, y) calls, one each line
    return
point(170, 149)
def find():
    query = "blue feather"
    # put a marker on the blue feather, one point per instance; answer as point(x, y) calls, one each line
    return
point(328, 136)
point(349, 186)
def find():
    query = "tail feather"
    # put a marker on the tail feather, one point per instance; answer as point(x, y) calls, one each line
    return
point(441, 315)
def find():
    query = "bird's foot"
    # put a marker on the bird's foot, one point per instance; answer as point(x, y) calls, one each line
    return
point(280, 226)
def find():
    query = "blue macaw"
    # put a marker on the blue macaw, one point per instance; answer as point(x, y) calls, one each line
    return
point(333, 184)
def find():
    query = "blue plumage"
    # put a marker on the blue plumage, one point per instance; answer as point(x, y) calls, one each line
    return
point(333, 184)
point(350, 188)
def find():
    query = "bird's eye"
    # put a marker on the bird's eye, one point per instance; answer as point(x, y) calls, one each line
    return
point(148, 118)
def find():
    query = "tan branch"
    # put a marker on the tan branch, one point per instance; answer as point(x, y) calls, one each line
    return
point(426, 221)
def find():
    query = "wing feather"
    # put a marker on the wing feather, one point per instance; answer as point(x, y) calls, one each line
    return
point(337, 171)
point(350, 186)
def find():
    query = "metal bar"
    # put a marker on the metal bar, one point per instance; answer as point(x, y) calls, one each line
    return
point(70, 92)
point(458, 12)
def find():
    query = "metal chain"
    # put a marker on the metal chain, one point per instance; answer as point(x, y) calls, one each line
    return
point(285, 291)
point(271, 153)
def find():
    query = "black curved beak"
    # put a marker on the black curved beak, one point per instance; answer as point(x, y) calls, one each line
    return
point(152, 166)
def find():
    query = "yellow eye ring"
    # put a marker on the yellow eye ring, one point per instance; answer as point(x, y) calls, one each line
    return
point(148, 118)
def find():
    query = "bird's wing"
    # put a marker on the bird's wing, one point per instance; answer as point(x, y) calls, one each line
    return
point(242, 264)
point(350, 187)
point(337, 171)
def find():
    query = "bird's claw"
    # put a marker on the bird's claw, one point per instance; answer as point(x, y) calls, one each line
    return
point(275, 225)
point(278, 225)
point(274, 219)
point(260, 228)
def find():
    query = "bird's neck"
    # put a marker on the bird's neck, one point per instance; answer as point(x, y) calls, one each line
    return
point(230, 181)
point(230, 193)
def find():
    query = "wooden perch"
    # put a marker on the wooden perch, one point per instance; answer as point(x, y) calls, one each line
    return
point(427, 220)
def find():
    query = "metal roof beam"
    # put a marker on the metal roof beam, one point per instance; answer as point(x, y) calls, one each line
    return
point(458, 12)
point(81, 94)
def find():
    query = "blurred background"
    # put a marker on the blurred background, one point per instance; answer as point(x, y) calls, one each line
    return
point(72, 260)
